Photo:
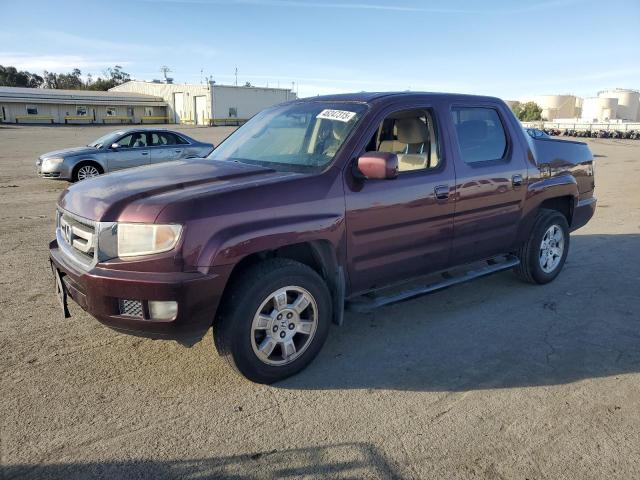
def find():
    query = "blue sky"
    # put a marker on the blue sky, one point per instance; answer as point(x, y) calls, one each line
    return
point(510, 49)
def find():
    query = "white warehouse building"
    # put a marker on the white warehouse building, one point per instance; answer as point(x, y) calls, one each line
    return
point(210, 103)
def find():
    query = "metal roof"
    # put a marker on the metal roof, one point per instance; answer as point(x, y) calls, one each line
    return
point(92, 97)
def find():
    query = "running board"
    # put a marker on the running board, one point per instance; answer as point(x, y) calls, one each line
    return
point(441, 281)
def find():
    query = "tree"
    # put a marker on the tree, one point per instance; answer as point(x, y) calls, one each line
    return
point(11, 77)
point(65, 81)
point(527, 112)
point(113, 77)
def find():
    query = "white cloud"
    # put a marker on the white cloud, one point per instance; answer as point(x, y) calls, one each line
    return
point(55, 63)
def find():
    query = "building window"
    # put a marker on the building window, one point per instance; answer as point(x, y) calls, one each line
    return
point(112, 111)
point(148, 111)
point(129, 111)
point(81, 111)
point(32, 110)
point(233, 112)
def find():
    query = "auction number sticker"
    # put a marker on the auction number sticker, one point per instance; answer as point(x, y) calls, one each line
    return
point(339, 115)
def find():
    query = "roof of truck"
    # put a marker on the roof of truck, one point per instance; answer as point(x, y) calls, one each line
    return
point(367, 97)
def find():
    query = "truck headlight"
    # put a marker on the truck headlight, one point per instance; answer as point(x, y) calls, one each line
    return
point(136, 239)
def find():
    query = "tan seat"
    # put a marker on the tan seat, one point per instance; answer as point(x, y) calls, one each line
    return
point(412, 144)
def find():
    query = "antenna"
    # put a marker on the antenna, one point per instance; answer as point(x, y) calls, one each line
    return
point(164, 70)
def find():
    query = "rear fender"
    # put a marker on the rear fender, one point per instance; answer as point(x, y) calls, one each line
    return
point(541, 190)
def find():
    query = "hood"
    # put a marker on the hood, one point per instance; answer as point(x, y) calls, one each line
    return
point(140, 194)
point(66, 152)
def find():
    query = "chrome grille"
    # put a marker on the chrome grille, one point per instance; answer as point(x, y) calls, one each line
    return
point(77, 237)
point(130, 308)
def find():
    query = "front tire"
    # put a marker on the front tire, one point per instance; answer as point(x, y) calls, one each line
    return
point(86, 170)
point(274, 321)
point(543, 255)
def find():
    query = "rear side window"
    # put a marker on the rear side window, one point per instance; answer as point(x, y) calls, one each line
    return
point(480, 133)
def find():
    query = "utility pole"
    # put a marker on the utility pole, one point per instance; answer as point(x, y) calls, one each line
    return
point(236, 76)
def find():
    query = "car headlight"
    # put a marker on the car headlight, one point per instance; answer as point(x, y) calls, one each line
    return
point(52, 162)
point(136, 239)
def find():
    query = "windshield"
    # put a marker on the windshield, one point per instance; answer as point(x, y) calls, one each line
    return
point(300, 137)
point(107, 139)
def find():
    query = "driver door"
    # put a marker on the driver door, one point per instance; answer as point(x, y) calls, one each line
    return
point(132, 151)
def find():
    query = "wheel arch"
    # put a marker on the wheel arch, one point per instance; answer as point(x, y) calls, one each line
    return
point(319, 255)
point(86, 161)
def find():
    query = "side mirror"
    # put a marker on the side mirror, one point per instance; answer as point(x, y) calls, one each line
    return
point(115, 146)
point(378, 165)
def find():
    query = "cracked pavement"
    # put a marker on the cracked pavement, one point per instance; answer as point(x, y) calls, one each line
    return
point(491, 379)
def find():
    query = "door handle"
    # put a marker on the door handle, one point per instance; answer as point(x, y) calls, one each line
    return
point(516, 180)
point(441, 192)
point(144, 153)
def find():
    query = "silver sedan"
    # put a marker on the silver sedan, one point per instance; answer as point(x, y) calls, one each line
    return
point(119, 150)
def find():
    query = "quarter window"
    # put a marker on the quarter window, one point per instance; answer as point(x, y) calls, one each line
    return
point(480, 132)
point(32, 109)
point(410, 134)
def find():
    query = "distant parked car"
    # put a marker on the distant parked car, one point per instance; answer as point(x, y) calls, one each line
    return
point(118, 150)
point(536, 133)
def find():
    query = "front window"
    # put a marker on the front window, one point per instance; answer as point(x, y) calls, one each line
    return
point(299, 137)
point(107, 139)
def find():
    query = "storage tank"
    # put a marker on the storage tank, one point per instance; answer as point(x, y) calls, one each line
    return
point(599, 108)
point(556, 106)
point(628, 102)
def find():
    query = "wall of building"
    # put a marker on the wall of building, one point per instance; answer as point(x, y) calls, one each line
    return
point(244, 102)
point(220, 102)
point(63, 113)
point(185, 113)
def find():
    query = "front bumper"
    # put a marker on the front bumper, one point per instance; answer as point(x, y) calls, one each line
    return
point(59, 171)
point(99, 290)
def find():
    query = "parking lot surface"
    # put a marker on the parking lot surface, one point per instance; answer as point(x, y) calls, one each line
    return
point(491, 379)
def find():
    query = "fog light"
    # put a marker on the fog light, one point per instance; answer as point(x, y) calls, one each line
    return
point(162, 310)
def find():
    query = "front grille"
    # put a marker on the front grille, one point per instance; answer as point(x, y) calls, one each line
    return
point(78, 236)
point(130, 308)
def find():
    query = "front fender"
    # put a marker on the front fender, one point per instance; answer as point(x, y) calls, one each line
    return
point(232, 244)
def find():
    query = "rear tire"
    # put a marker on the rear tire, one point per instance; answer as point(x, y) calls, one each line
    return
point(274, 320)
point(543, 255)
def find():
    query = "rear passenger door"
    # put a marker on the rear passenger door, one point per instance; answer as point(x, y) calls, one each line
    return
point(491, 176)
point(165, 147)
point(401, 228)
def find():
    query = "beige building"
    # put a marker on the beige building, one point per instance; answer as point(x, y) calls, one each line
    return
point(209, 103)
point(40, 105)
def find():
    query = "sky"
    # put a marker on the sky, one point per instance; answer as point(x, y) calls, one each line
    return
point(510, 49)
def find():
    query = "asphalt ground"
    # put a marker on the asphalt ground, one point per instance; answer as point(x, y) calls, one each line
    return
point(491, 379)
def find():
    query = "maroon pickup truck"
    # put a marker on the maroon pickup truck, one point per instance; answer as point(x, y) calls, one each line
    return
point(315, 205)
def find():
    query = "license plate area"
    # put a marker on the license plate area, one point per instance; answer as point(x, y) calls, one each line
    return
point(61, 292)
